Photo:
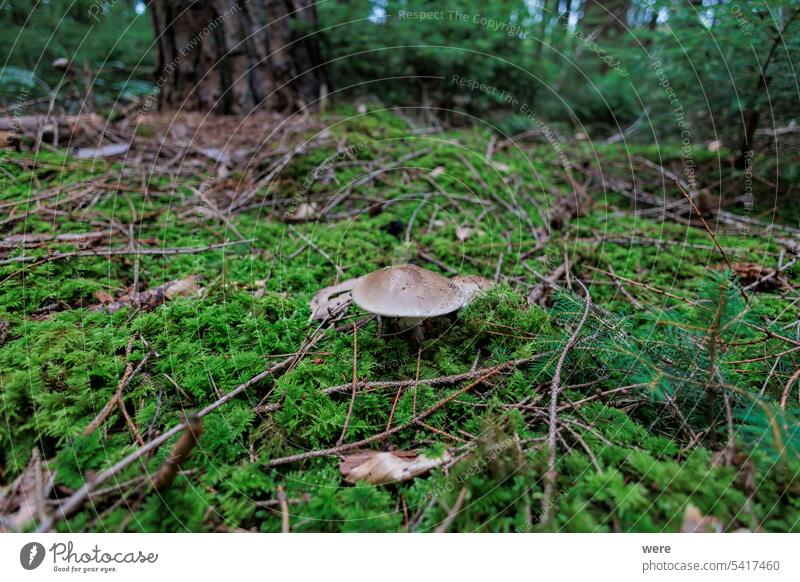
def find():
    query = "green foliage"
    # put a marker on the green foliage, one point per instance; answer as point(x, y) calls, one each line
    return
point(112, 38)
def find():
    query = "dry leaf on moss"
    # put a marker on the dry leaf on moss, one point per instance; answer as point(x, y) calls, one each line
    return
point(22, 500)
point(464, 232)
point(379, 468)
point(695, 522)
point(303, 213)
point(151, 298)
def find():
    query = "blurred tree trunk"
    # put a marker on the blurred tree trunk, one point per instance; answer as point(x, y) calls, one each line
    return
point(542, 29)
point(752, 114)
point(606, 21)
point(230, 56)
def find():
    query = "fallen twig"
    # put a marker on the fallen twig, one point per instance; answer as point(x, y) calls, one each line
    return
point(788, 387)
point(127, 377)
point(355, 385)
point(453, 513)
point(180, 454)
point(454, 379)
point(123, 251)
point(284, 506)
point(555, 388)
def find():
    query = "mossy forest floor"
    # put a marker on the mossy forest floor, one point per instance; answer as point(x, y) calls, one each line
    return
point(679, 391)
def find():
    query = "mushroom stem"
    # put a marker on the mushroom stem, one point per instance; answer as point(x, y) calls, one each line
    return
point(406, 323)
point(412, 323)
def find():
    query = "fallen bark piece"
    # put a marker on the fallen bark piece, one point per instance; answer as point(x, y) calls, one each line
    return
point(380, 468)
point(114, 149)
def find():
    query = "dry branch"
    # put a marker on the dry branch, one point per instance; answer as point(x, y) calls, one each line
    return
point(555, 389)
point(180, 454)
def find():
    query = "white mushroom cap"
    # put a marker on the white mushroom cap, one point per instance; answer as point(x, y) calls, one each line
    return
point(471, 285)
point(407, 291)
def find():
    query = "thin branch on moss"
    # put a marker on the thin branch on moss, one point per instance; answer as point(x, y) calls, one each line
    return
point(180, 454)
point(788, 387)
point(555, 389)
point(355, 385)
point(284, 506)
point(129, 374)
point(453, 513)
point(439, 380)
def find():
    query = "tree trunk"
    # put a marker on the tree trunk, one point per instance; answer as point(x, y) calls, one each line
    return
point(606, 22)
point(230, 56)
point(607, 19)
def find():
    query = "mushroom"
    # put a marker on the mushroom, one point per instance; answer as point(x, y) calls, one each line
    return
point(408, 293)
point(471, 285)
point(331, 300)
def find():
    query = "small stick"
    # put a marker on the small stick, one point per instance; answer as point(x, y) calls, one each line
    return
point(622, 289)
point(426, 426)
point(705, 224)
point(355, 385)
point(284, 507)
point(394, 406)
point(129, 421)
point(585, 447)
point(314, 246)
point(126, 379)
point(124, 251)
point(787, 388)
point(555, 388)
point(451, 515)
point(644, 286)
point(454, 379)
point(180, 454)
point(416, 382)
point(599, 395)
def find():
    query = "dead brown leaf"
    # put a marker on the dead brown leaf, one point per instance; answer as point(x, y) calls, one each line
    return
point(695, 522)
point(764, 278)
point(23, 500)
point(379, 468)
point(103, 297)
point(303, 213)
point(151, 298)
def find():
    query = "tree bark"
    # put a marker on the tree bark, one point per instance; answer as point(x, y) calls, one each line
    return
point(753, 115)
point(231, 56)
point(607, 18)
point(606, 21)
